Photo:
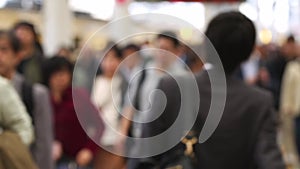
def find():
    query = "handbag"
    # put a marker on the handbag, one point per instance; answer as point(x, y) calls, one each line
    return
point(13, 153)
point(182, 158)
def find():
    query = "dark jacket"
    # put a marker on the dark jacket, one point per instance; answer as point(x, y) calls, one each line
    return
point(246, 135)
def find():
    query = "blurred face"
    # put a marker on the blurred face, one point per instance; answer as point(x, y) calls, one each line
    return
point(60, 81)
point(167, 52)
point(130, 56)
point(25, 35)
point(64, 52)
point(8, 58)
point(289, 50)
point(128, 52)
point(110, 63)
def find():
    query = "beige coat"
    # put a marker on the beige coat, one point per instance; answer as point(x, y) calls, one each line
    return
point(13, 115)
point(290, 91)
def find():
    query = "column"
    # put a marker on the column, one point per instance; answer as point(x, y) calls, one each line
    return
point(57, 20)
point(121, 28)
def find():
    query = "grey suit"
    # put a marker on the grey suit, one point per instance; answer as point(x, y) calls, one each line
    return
point(246, 135)
point(42, 147)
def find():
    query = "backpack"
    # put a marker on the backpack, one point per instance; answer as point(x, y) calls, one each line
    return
point(184, 157)
point(27, 98)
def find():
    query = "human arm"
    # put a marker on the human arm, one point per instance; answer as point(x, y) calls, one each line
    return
point(13, 113)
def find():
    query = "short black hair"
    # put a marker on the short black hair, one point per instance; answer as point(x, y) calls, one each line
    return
point(291, 39)
point(31, 27)
point(26, 24)
point(13, 40)
point(233, 36)
point(117, 51)
point(131, 46)
point(53, 65)
point(169, 35)
point(112, 46)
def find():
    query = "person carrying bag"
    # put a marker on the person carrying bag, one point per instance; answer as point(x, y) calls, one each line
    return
point(16, 131)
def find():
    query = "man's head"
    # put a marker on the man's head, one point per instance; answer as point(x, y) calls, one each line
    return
point(168, 44)
point(289, 48)
point(167, 40)
point(233, 36)
point(9, 53)
point(131, 56)
point(130, 49)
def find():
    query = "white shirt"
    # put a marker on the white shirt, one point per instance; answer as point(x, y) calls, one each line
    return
point(106, 95)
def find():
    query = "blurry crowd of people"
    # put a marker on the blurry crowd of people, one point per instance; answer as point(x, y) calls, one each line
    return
point(124, 80)
point(275, 68)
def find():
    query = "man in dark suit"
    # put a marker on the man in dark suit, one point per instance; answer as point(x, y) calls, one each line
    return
point(245, 137)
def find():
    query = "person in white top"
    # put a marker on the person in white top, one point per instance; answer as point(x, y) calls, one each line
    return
point(107, 96)
point(290, 91)
point(290, 111)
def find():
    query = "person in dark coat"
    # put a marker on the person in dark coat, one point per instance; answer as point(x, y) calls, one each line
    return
point(246, 135)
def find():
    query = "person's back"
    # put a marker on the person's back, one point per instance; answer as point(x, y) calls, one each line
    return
point(245, 137)
point(246, 134)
